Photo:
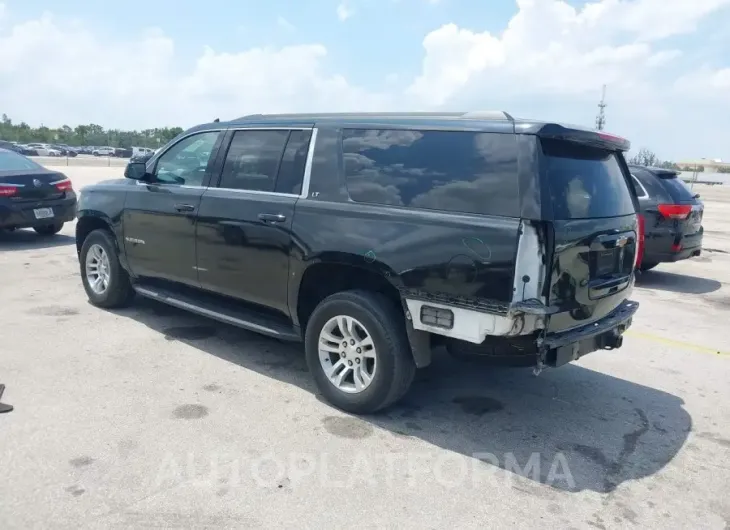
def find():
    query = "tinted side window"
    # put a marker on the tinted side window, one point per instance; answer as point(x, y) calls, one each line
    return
point(187, 161)
point(253, 160)
point(585, 182)
point(439, 170)
point(679, 191)
point(651, 184)
point(291, 171)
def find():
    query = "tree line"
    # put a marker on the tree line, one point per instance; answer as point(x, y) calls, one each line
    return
point(83, 135)
point(645, 157)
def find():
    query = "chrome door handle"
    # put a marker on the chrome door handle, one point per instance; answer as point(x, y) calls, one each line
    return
point(184, 207)
point(272, 217)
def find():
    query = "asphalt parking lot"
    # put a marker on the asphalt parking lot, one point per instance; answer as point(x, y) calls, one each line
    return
point(151, 417)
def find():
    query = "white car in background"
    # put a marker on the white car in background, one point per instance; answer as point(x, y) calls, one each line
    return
point(103, 151)
point(141, 151)
point(44, 150)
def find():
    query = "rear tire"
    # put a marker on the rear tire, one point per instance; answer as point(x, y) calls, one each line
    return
point(49, 230)
point(376, 317)
point(647, 266)
point(99, 259)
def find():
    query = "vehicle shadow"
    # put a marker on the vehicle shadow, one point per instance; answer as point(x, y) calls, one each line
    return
point(676, 283)
point(29, 240)
point(599, 429)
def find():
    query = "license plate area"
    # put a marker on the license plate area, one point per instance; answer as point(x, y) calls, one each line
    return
point(43, 213)
point(610, 271)
point(605, 263)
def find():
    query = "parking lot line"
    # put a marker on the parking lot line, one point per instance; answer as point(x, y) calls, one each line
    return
point(675, 343)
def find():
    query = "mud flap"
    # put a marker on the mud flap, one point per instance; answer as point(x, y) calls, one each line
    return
point(420, 342)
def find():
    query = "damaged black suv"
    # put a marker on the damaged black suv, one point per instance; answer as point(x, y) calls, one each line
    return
point(374, 238)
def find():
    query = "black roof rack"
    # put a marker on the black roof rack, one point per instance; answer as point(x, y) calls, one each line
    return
point(472, 115)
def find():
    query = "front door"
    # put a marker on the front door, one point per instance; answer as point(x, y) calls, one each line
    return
point(160, 214)
point(244, 223)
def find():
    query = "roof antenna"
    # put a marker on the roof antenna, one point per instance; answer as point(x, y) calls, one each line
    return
point(601, 118)
point(216, 120)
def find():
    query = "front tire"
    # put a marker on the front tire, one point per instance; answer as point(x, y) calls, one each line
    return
point(358, 352)
point(105, 281)
point(49, 230)
point(647, 266)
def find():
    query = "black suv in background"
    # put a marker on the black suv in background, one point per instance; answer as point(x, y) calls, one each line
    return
point(373, 238)
point(671, 215)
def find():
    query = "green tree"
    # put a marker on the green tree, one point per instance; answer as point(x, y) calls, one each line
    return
point(86, 134)
point(644, 158)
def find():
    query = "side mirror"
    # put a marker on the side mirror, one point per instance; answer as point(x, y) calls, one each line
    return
point(696, 196)
point(136, 170)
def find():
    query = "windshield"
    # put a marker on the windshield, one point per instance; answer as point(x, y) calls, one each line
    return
point(12, 161)
point(585, 182)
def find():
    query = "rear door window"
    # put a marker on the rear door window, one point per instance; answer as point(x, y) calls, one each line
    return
point(291, 169)
point(585, 182)
point(253, 160)
point(677, 188)
point(454, 171)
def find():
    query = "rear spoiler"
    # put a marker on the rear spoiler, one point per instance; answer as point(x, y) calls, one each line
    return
point(583, 136)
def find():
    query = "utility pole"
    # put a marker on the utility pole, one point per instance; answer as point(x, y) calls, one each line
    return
point(601, 118)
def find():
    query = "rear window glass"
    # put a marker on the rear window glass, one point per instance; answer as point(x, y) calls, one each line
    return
point(11, 161)
point(585, 182)
point(679, 191)
point(455, 171)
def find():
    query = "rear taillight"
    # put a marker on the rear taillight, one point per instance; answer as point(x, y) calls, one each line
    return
point(64, 185)
point(8, 191)
point(675, 211)
point(639, 240)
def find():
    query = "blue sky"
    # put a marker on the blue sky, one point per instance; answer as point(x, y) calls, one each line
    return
point(147, 63)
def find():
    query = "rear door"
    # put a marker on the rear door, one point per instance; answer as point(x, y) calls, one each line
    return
point(593, 216)
point(244, 225)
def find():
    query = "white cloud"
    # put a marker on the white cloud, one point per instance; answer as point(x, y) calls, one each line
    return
point(344, 11)
point(54, 73)
point(550, 61)
point(554, 47)
point(554, 53)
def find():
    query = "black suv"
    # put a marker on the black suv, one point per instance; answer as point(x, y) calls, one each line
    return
point(671, 215)
point(374, 238)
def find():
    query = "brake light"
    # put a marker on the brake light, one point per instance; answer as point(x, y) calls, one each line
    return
point(64, 185)
point(8, 191)
point(611, 137)
point(639, 241)
point(675, 211)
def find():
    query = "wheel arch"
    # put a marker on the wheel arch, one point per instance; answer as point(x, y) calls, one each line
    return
point(90, 220)
point(345, 272)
